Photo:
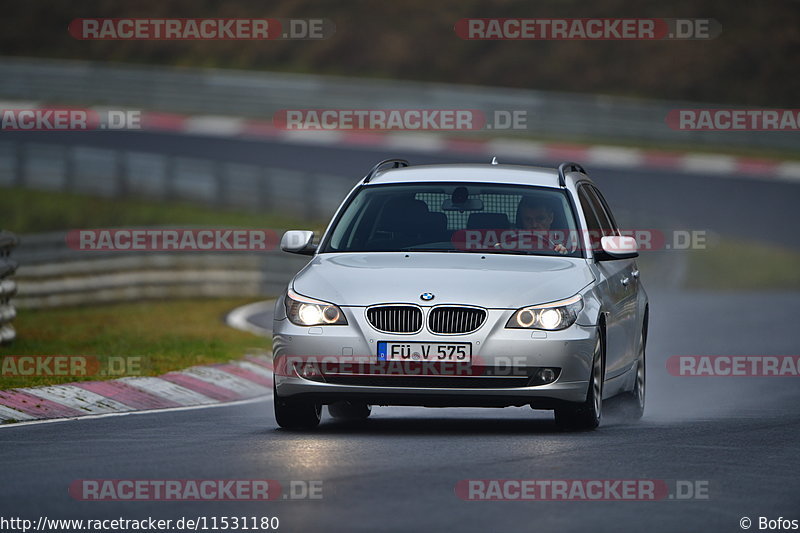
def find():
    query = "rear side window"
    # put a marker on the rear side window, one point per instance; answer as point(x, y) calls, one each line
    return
point(606, 209)
point(592, 222)
point(597, 222)
point(606, 224)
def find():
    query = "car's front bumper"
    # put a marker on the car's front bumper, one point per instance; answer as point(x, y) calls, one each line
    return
point(494, 348)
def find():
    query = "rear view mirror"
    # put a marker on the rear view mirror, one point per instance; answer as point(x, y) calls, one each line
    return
point(470, 204)
point(460, 201)
point(618, 247)
point(298, 242)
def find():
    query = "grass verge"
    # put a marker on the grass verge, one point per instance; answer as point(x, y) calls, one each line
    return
point(743, 265)
point(164, 336)
point(32, 211)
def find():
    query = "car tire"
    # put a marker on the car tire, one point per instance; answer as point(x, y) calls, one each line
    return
point(586, 415)
point(350, 411)
point(296, 414)
point(633, 401)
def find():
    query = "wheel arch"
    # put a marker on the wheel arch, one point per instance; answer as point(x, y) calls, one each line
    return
point(601, 329)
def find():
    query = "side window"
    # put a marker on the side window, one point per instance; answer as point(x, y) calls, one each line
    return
point(586, 204)
point(606, 225)
point(592, 222)
point(607, 209)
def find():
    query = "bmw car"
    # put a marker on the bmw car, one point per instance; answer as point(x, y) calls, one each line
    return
point(469, 285)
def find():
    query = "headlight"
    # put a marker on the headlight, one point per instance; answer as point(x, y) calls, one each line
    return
point(305, 311)
point(552, 316)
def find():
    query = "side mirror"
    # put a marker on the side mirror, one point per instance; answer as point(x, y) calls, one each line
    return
point(616, 247)
point(298, 242)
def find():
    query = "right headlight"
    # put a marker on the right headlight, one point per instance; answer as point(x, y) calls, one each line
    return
point(553, 316)
point(305, 311)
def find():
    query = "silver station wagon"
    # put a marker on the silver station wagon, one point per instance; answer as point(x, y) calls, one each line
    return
point(463, 286)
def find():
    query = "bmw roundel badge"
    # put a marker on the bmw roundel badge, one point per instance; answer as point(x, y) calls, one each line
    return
point(427, 296)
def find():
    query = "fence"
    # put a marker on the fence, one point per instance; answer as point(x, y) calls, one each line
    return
point(260, 94)
point(7, 287)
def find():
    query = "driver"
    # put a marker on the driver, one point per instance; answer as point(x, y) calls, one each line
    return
point(535, 214)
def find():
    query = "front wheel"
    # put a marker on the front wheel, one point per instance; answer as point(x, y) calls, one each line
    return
point(296, 414)
point(586, 415)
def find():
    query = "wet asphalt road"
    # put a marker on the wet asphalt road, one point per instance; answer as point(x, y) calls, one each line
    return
point(398, 471)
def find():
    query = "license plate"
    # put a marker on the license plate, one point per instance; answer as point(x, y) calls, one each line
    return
point(425, 352)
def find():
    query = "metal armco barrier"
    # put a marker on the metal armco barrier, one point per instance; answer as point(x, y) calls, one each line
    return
point(8, 287)
point(54, 275)
point(252, 94)
point(117, 173)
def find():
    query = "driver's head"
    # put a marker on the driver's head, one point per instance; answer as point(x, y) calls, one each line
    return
point(534, 214)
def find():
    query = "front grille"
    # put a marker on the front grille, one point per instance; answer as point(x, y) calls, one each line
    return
point(455, 320)
point(395, 318)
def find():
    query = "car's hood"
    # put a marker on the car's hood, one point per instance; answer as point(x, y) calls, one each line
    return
point(492, 280)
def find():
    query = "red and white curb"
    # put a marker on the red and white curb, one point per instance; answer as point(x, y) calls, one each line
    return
point(196, 386)
point(430, 142)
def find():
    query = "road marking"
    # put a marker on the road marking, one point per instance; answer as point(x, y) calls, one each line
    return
point(239, 317)
point(613, 156)
point(217, 126)
point(130, 413)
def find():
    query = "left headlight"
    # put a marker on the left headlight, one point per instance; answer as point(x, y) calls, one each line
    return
point(553, 316)
point(305, 311)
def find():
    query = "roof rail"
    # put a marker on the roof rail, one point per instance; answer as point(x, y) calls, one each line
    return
point(565, 167)
point(396, 162)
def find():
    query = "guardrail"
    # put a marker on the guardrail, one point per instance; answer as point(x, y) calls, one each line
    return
point(53, 275)
point(8, 287)
point(121, 173)
point(260, 94)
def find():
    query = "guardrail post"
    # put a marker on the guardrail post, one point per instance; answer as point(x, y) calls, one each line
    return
point(265, 190)
point(169, 178)
point(20, 164)
point(220, 179)
point(7, 287)
point(312, 200)
point(121, 168)
point(69, 168)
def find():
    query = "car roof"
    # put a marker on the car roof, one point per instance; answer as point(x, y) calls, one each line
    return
point(478, 173)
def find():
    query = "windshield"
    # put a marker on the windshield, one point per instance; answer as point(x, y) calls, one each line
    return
point(456, 217)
